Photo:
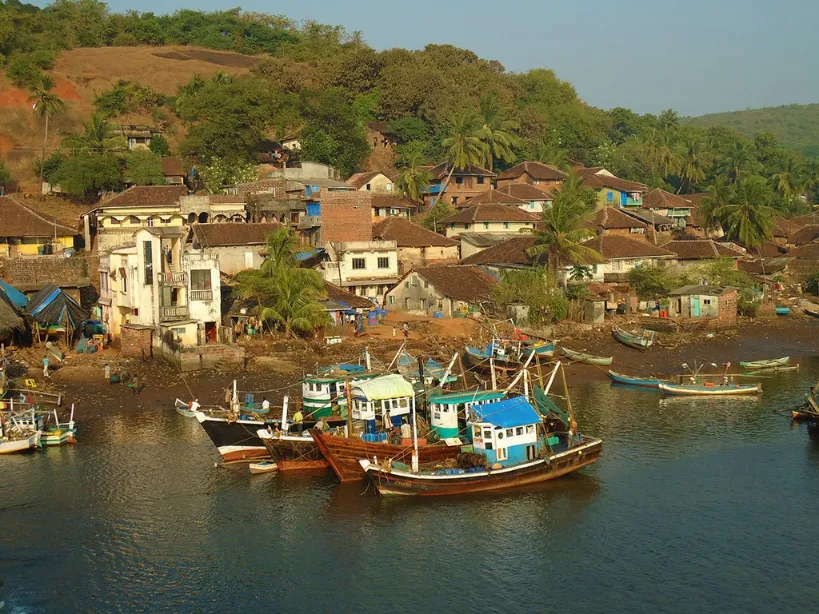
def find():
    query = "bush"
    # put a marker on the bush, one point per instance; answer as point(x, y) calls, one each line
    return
point(747, 305)
point(159, 146)
point(23, 72)
point(812, 285)
point(654, 281)
point(535, 289)
point(52, 166)
point(126, 39)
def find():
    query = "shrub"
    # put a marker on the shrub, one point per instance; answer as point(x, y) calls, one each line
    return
point(535, 289)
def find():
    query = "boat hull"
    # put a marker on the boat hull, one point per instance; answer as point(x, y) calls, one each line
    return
point(481, 363)
point(294, 453)
point(389, 483)
point(765, 364)
point(709, 391)
point(59, 437)
point(627, 380)
point(602, 361)
point(638, 342)
point(263, 467)
point(20, 445)
point(344, 453)
point(235, 440)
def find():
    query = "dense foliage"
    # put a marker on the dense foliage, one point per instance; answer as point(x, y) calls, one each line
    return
point(536, 290)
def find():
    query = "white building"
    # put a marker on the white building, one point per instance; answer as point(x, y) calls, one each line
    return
point(490, 218)
point(366, 268)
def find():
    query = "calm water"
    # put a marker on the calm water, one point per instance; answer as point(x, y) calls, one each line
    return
point(694, 506)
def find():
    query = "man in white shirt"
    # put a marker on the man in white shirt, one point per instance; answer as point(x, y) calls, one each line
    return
point(195, 405)
point(406, 430)
point(265, 404)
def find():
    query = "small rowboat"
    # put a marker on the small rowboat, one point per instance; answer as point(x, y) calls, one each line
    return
point(628, 380)
point(586, 358)
point(639, 341)
point(542, 349)
point(765, 364)
point(709, 389)
point(263, 467)
point(19, 439)
point(183, 409)
point(811, 311)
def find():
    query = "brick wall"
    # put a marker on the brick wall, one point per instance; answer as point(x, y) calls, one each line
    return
point(54, 269)
point(136, 341)
point(728, 307)
point(346, 216)
point(526, 178)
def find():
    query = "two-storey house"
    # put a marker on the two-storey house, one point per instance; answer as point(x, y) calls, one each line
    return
point(538, 174)
point(366, 268)
point(463, 184)
point(612, 191)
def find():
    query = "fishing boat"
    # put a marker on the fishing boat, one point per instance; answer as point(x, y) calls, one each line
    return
point(235, 438)
point(16, 437)
point(640, 341)
point(325, 395)
point(511, 448)
point(293, 452)
point(630, 380)
point(812, 311)
point(483, 358)
point(765, 364)
point(710, 389)
point(586, 358)
point(262, 467)
point(542, 349)
point(184, 409)
point(782, 311)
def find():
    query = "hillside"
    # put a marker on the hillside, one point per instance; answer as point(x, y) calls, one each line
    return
point(795, 126)
point(82, 73)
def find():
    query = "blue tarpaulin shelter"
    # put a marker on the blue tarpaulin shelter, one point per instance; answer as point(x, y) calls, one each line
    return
point(17, 298)
point(512, 412)
point(50, 306)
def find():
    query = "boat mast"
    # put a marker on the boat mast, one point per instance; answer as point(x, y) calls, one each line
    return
point(349, 406)
point(283, 426)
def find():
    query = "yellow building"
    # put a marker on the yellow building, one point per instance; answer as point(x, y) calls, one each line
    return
point(24, 231)
point(371, 182)
point(490, 218)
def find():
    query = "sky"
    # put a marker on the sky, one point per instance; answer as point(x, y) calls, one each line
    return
point(695, 56)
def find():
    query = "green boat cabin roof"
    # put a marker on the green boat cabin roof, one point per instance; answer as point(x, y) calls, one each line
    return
point(455, 398)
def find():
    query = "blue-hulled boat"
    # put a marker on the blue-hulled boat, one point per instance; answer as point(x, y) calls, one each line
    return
point(478, 358)
point(541, 349)
point(629, 380)
point(782, 311)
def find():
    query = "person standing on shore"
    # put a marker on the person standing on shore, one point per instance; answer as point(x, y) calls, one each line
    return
point(45, 366)
point(405, 328)
point(107, 373)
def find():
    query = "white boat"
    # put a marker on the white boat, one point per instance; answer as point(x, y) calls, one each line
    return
point(263, 467)
point(18, 439)
point(709, 389)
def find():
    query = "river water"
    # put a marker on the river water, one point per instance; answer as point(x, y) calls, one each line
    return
point(695, 505)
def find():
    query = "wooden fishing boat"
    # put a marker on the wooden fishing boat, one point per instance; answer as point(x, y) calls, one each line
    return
point(775, 370)
point(479, 359)
point(59, 434)
point(294, 452)
point(765, 364)
point(183, 409)
point(812, 311)
point(16, 438)
point(343, 453)
point(639, 341)
point(630, 380)
point(710, 389)
point(263, 467)
point(541, 349)
point(586, 358)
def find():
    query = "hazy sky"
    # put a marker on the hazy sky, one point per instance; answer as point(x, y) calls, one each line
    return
point(696, 56)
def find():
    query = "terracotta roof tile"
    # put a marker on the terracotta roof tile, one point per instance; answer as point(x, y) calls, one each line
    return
point(609, 218)
point(784, 227)
point(806, 234)
point(339, 295)
point(224, 235)
point(148, 195)
point(700, 249)
point(811, 218)
point(660, 199)
point(460, 282)
point(20, 220)
point(494, 196)
point(597, 180)
point(809, 251)
point(536, 170)
point(491, 213)
point(616, 247)
point(392, 200)
point(359, 180)
point(526, 191)
point(172, 167)
point(509, 252)
point(407, 234)
point(441, 171)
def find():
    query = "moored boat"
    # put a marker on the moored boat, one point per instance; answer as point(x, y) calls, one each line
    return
point(184, 409)
point(765, 364)
point(293, 452)
point(482, 359)
point(236, 439)
point(630, 380)
point(710, 389)
point(541, 349)
point(812, 311)
point(16, 437)
point(262, 467)
point(783, 311)
point(585, 358)
point(640, 341)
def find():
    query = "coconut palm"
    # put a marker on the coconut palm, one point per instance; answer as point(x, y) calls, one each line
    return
point(294, 305)
point(414, 178)
point(280, 249)
point(463, 146)
point(566, 227)
point(737, 161)
point(720, 193)
point(496, 131)
point(46, 103)
point(748, 217)
point(669, 120)
point(550, 152)
point(788, 180)
point(96, 137)
point(693, 162)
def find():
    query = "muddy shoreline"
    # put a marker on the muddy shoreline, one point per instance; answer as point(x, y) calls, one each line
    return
point(274, 366)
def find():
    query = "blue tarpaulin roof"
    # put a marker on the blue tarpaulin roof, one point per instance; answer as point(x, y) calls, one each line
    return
point(507, 413)
point(307, 254)
point(17, 298)
point(50, 305)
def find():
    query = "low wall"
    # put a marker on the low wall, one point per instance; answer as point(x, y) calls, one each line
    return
point(215, 356)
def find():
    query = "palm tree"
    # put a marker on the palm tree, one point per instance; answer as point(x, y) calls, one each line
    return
point(659, 153)
point(550, 152)
point(787, 181)
point(414, 178)
point(96, 137)
point(748, 216)
point(294, 305)
point(496, 132)
point(737, 161)
point(720, 193)
point(463, 146)
point(565, 228)
point(280, 247)
point(46, 104)
point(693, 162)
point(668, 121)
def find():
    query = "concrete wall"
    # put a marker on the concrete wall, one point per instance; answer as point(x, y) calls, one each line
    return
point(136, 342)
point(380, 184)
point(514, 228)
point(204, 306)
point(409, 257)
point(416, 295)
point(458, 193)
point(722, 308)
point(235, 258)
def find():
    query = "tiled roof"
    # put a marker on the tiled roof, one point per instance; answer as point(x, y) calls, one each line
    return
point(359, 180)
point(526, 191)
point(148, 196)
point(761, 267)
point(172, 167)
point(392, 200)
point(660, 199)
point(700, 249)
point(612, 247)
point(811, 218)
point(648, 216)
point(494, 196)
point(441, 171)
point(339, 295)
point(701, 289)
point(597, 180)
point(381, 127)
point(407, 234)
point(806, 234)
point(485, 239)
point(20, 220)
point(609, 218)
point(511, 251)
point(460, 282)
point(224, 235)
point(769, 250)
point(536, 170)
point(696, 198)
point(784, 227)
point(490, 213)
point(809, 251)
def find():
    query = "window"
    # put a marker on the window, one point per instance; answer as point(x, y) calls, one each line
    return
point(509, 432)
point(200, 279)
point(391, 299)
point(519, 431)
point(530, 428)
point(104, 289)
point(706, 301)
point(368, 187)
point(359, 264)
point(426, 284)
point(389, 187)
point(616, 265)
point(452, 225)
point(466, 226)
point(406, 284)
point(503, 454)
point(506, 224)
point(531, 204)
point(500, 434)
point(476, 432)
point(531, 453)
point(147, 247)
point(133, 220)
point(149, 221)
point(480, 180)
point(123, 280)
point(454, 201)
point(609, 197)
point(459, 180)
point(384, 263)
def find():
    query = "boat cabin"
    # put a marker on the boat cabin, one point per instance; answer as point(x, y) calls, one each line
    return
point(506, 431)
point(325, 396)
point(450, 413)
point(375, 397)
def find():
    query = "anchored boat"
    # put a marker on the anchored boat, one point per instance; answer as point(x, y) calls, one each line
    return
point(710, 389)
point(586, 358)
point(640, 341)
point(765, 364)
point(630, 380)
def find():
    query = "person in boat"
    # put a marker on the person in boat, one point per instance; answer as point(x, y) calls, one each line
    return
point(298, 421)
point(386, 421)
point(265, 404)
point(321, 425)
point(406, 429)
point(194, 405)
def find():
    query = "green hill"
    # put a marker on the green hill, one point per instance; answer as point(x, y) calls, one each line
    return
point(795, 126)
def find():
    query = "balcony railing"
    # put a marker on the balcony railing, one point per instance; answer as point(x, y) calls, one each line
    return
point(201, 295)
point(170, 314)
point(173, 279)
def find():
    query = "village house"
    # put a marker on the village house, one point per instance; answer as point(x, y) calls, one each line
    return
point(538, 198)
point(494, 197)
point(318, 191)
point(612, 191)
point(173, 171)
point(620, 255)
point(380, 136)
point(371, 182)
point(213, 208)
point(490, 218)
point(510, 254)
point(340, 303)
point(474, 242)
point(455, 290)
point(669, 205)
point(695, 252)
point(463, 184)
point(701, 302)
point(537, 174)
point(804, 261)
point(25, 231)
point(365, 268)
point(392, 205)
point(237, 247)
point(417, 246)
point(804, 235)
point(658, 227)
point(138, 136)
point(611, 221)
